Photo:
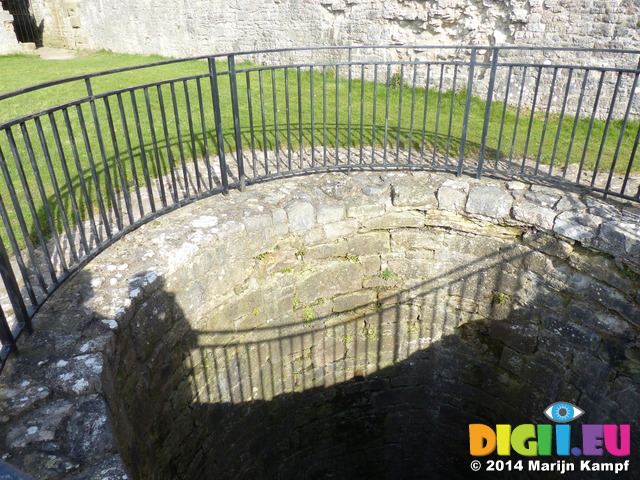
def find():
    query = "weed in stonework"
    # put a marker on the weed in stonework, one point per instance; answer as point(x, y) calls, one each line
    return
point(308, 315)
point(500, 298)
point(387, 274)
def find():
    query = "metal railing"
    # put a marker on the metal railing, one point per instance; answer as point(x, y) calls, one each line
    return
point(77, 176)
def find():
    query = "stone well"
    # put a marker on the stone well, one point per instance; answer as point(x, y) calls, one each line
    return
point(331, 326)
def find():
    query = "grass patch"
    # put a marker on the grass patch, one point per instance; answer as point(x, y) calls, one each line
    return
point(69, 166)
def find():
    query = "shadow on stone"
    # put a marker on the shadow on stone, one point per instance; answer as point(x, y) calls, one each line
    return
point(386, 390)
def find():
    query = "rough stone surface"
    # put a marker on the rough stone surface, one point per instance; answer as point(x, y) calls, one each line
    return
point(185, 29)
point(319, 323)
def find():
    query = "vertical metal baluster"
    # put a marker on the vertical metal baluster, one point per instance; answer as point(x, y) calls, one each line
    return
point(134, 170)
point(192, 137)
point(546, 119)
point(143, 153)
point(515, 125)
point(349, 108)
point(375, 113)
point(56, 191)
point(251, 125)
point(487, 112)
point(235, 110)
point(13, 290)
point(205, 135)
point(560, 121)
point(362, 102)
point(424, 112)
point(413, 110)
point(591, 122)
point(465, 121)
point(451, 108)
point(438, 109)
point(504, 114)
point(83, 185)
point(531, 119)
point(217, 116)
point(17, 251)
point(9, 346)
point(622, 129)
point(399, 126)
point(167, 143)
point(183, 161)
point(265, 147)
point(337, 114)
point(324, 113)
point(103, 154)
point(275, 118)
point(614, 97)
point(313, 117)
point(45, 204)
point(630, 165)
point(156, 150)
point(300, 132)
point(288, 112)
point(20, 217)
point(386, 115)
point(116, 151)
point(72, 194)
point(575, 123)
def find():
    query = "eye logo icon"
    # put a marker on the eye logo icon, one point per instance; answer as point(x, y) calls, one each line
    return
point(563, 412)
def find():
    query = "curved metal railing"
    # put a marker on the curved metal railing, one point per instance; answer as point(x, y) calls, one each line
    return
point(82, 171)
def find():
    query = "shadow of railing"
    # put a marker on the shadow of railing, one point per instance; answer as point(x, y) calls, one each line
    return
point(385, 389)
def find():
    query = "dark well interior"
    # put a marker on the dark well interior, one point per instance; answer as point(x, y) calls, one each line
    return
point(371, 367)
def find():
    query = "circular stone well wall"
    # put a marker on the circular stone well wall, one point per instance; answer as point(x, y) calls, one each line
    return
point(347, 327)
point(354, 325)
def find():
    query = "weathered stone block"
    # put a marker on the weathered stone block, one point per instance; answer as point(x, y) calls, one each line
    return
point(534, 214)
point(409, 193)
point(492, 202)
point(301, 216)
point(395, 220)
point(577, 226)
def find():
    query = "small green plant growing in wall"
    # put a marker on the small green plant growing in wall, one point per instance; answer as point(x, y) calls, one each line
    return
point(347, 338)
point(387, 274)
point(308, 314)
point(500, 298)
point(295, 301)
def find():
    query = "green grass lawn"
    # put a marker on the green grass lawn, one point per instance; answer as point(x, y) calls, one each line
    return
point(165, 125)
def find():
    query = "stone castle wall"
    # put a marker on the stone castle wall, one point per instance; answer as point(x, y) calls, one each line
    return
point(8, 42)
point(201, 27)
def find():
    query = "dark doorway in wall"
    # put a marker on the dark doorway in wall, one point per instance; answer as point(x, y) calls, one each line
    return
point(24, 22)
